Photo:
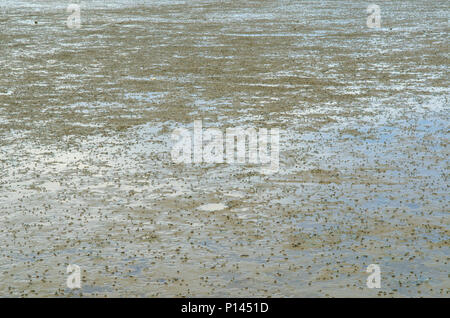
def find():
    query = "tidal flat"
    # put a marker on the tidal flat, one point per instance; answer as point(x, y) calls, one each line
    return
point(86, 176)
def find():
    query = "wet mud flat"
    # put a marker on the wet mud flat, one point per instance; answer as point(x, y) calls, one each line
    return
point(86, 175)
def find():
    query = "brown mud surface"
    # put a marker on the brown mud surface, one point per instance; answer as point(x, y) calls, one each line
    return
point(86, 175)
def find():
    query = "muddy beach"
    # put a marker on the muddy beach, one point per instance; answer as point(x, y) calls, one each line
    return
point(86, 176)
